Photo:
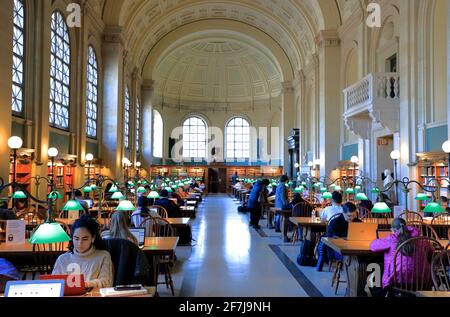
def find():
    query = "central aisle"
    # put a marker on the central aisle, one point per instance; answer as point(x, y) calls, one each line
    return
point(232, 259)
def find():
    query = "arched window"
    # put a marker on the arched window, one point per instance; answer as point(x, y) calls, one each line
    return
point(59, 72)
point(158, 127)
point(91, 94)
point(238, 138)
point(138, 124)
point(18, 56)
point(194, 138)
point(126, 129)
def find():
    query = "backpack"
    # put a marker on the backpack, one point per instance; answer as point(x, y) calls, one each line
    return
point(242, 208)
point(306, 255)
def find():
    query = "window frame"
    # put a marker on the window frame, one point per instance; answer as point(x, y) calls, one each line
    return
point(21, 86)
point(95, 103)
point(227, 136)
point(198, 142)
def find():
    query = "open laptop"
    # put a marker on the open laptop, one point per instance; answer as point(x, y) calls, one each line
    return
point(73, 283)
point(383, 233)
point(360, 231)
point(89, 202)
point(139, 233)
point(50, 288)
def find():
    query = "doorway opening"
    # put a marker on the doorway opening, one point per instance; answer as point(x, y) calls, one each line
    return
point(217, 180)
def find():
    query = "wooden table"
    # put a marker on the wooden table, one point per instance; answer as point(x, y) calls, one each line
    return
point(432, 294)
point(175, 222)
point(357, 255)
point(188, 211)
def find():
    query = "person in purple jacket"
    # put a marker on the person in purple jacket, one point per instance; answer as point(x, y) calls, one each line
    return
point(405, 266)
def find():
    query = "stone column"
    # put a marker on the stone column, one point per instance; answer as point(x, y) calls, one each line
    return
point(112, 127)
point(287, 123)
point(147, 123)
point(40, 67)
point(328, 47)
point(6, 14)
point(448, 69)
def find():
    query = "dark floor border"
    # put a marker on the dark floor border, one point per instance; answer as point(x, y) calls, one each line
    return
point(301, 278)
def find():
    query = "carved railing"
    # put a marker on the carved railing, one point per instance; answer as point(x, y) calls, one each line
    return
point(375, 87)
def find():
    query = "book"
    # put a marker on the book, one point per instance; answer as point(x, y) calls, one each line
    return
point(111, 292)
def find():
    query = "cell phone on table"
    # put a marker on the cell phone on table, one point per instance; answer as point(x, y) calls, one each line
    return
point(127, 287)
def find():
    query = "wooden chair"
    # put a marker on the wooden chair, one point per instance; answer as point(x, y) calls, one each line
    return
point(162, 228)
point(148, 224)
point(45, 256)
point(424, 229)
point(364, 212)
point(162, 212)
point(441, 224)
point(440, 271)
point(336, 278)
point(2, 231)
point(415, 268)
point(411, 216)
point(302, 209)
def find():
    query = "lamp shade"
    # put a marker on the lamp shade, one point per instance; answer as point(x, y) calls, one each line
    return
point(153, 194)
point(89, 157)
point(395, 155)
point(72, 205)
point(19, 195)
point(49, 233)
point(337, 188)
point(357, 188)
point(327, 195)
point(117, 195)
point(318, 184)
point(113, 189)
point(144, 182)
point(434, 207)
point(381, 207)
point(323, 189)
point(131, 184)
point(170, 190)
point(350, 190)
point(299, 189)
point(15, 143)
point(303, 183)
point(87, 189)
point(141, 190)
point(354, 159)
point(52, 152)
point(126, 205)
point(422, 196)
point(93, 187)
point(361, 196)
point(375, 190)
point(446, 146)
point(55, 195)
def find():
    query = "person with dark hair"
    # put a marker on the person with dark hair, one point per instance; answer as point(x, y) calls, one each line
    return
point(79, 196)
point(281, 200)
point(173, 211)
point(258, 195)
point(20, 207)
point(86, 255)
point(337, 228)
point(335, 208)
point(296, 199)
point(366, 204)
point(388, 245)
point(6, 214)
point(148, 189)
point(234, 178)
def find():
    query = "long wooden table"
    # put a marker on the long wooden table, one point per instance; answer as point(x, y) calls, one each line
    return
point(175, 222)
point(357, 255)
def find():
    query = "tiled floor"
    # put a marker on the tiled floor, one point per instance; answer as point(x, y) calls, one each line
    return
point(231, 259)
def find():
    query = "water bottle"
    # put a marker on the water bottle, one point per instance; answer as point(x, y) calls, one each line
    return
point(313, 215)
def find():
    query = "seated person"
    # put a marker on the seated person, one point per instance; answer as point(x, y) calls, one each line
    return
point(118, 227)
point(180, 200)
point(86, 251)
point(335, 208)
point(79, 196)
point(296, 199)
point(337, 228)
point(7, 273)
point(181, 192)
point(173, 211)
point(366, 204)
point(273, 191)
point(20, 207)
point(141, 211)
point(6, 214)
point(388, 245)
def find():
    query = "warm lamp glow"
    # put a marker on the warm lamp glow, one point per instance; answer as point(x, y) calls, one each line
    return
point(52, 152)
point(15, 142)
point(89, 157)
point(310, 164)
point(446, 146)
point(49, 233)
point(138, 164)
point(354, 159)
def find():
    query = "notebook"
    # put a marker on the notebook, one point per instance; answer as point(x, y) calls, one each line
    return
point(139, 233)
point(111, 292)
point(49, 288)
point(74, 283)
point(360, 231)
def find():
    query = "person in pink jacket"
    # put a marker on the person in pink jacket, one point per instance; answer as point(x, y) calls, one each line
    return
point(405, 261)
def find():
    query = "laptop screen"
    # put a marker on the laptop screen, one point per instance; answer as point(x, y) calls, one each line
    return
point(139, 233)
point(89, 202)
point(50, 288)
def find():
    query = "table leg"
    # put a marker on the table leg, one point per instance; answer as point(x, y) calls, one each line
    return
point(356, 269)
point(285, 227)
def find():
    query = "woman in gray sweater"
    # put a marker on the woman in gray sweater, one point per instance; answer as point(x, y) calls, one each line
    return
point(86, 256)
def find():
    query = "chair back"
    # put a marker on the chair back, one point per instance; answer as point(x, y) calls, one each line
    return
point(302, 209)
point(2, 231)
point(162, 212)
point(411, 216)
point(45, 256)
point(424, 229)
point(412, 270)
point(148, 224)
point(162, 228)
point(131, 265)
point(441, 224)
point(138, 218)
point(440, 271)
point(364, 212)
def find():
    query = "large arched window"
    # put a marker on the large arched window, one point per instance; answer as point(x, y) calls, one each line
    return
point(126, 116)
point(59, 72)
point(158, 127)
point(138, 124)
point(18, 56)
point(194, 138)
point(238, 139)
point(92, 94)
